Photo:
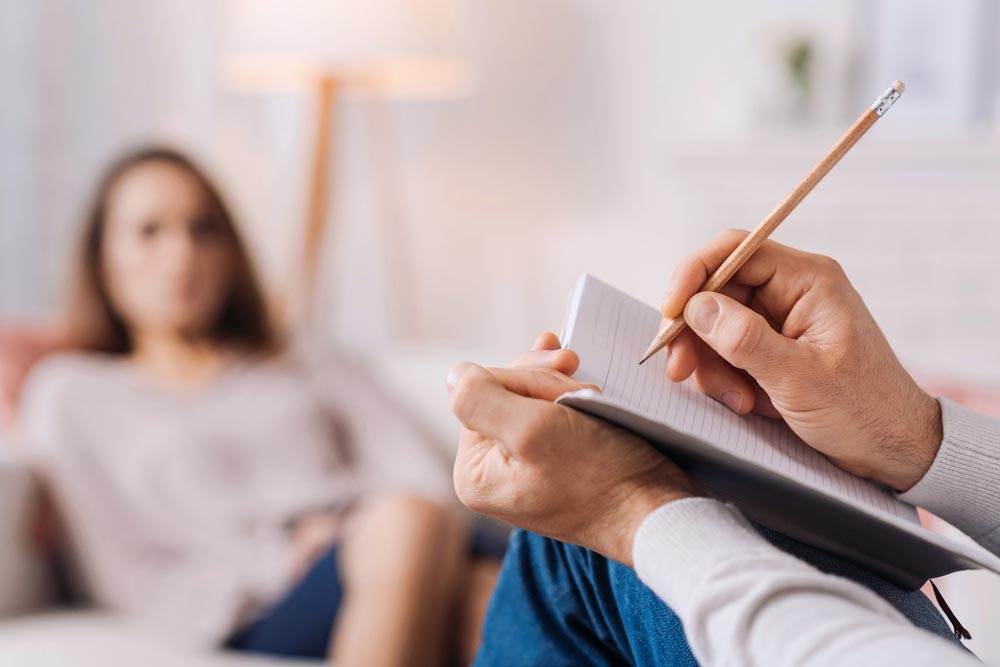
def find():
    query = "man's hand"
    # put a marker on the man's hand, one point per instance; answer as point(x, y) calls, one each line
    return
point(789, 337)
point(551, 469)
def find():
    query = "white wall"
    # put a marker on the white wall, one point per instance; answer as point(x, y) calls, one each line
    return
point(616, 149)
point(84, 81)
point(609, 137)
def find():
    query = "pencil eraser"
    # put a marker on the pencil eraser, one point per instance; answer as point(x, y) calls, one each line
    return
point(898, 86)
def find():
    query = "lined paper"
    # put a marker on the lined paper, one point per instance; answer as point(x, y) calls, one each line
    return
point(610, 331)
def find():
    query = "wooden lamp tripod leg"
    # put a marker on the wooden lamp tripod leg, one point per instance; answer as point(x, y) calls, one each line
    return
point(320, 185)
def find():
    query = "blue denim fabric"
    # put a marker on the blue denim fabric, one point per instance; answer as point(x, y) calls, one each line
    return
point(558, 604)
point(301, 623)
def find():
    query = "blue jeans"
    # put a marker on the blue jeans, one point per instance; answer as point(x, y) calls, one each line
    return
point(301, 623)
point(557, 604)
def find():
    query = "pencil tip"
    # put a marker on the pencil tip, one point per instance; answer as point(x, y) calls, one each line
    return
point(642, 361)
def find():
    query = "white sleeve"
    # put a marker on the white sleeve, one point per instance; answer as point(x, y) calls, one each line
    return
point(962, 486)
point(743, 601)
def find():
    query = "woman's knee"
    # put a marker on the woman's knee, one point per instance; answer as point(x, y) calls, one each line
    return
point(407, 516)
point(395, 535)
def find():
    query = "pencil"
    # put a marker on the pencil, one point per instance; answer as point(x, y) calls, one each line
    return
point(671, 328)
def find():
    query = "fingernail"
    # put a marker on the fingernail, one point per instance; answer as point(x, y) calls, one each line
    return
point(455, 373)
point(733, 399)
point(702, 311)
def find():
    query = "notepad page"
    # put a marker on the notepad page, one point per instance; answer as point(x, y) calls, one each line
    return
point(610, 331)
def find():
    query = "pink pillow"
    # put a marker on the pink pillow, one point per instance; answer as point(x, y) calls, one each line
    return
point(985, 400)
point(20, 348)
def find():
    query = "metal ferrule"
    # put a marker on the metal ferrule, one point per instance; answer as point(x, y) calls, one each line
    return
point(885, 100)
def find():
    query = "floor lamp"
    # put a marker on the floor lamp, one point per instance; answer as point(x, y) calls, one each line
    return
point(376, 88)
point(375, 52)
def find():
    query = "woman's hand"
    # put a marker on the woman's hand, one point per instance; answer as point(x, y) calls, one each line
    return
point(311, 535)
point(789, 337)
point(551, 469)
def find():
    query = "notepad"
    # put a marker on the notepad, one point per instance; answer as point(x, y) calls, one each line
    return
point(759, 464)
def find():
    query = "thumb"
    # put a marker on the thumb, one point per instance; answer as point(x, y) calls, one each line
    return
point(740, 336)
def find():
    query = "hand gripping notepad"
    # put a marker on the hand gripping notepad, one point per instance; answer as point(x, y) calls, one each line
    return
point(758, 464)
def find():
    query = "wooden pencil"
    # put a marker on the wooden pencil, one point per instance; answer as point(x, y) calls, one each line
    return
point(671, 328)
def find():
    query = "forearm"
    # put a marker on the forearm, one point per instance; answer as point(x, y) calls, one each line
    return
point(962, 485)
point(742, 601)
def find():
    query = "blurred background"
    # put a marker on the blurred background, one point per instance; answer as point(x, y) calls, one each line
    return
point(456, 164)
point(567, 136)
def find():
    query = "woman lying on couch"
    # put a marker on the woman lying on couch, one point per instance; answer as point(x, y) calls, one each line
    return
point(213, 480)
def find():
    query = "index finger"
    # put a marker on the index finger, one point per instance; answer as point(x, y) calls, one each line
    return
point(496, 401)
point(483, 404)
point(695, 269)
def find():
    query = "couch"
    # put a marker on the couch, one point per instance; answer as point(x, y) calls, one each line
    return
point(36, 631)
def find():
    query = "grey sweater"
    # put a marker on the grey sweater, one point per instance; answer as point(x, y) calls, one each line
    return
point(178, 503)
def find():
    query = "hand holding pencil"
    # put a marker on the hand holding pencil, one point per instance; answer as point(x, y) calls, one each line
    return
point(789, 337)
point(670, 328)
point(783, 333)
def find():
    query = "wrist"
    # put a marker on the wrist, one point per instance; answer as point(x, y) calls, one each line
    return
point(639, 504)
point(918, 447)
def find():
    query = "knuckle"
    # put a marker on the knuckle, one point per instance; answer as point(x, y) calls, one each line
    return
point(731, 234)
point(553, 374)
point(828, 274)
point(692, 264)
point(555, 379)
point(829, 266)
point(523, 359)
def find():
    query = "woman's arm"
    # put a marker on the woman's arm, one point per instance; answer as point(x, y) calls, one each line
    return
point(744, 602)
point(386, 445)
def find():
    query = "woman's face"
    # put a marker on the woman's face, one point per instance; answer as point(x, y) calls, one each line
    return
point(167, 264)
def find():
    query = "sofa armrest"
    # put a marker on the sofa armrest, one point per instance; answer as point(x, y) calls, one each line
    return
point(25, 578)
point(415, 377)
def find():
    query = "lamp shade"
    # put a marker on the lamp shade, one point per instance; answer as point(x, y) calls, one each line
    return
point(399, 45)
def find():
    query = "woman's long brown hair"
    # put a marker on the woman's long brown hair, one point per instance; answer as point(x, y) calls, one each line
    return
point(94, 324)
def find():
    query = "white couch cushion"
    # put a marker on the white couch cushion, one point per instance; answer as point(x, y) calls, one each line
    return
point(25, 582)
point(84, 638)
